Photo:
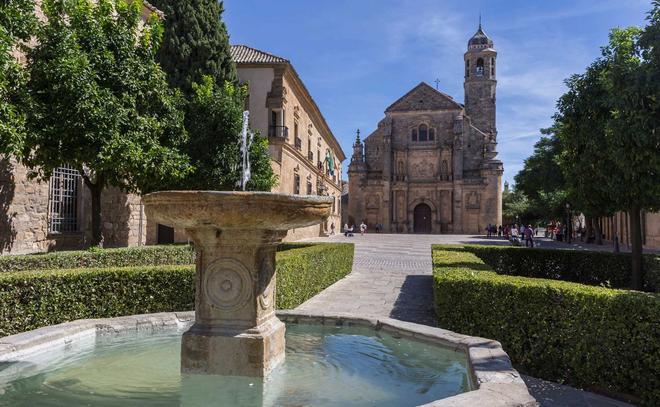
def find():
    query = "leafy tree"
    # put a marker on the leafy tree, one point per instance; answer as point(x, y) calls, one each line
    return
point(17, 22)
point(515, 207)
point(196, 56)
point(542, 179)
point(632, 134)
point(581, 128)
point(195, 43)
point(214, 116)
point(263, 178)
point(100, 102)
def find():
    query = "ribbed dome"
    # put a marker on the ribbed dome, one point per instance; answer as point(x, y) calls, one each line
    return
point(480, 39)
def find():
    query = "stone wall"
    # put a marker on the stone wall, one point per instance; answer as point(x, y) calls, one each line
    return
point(23, 211)
point(24, 216)
point(123, 219)
point(619, 224)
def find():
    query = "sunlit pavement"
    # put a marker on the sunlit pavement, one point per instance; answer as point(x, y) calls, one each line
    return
point(392, 277)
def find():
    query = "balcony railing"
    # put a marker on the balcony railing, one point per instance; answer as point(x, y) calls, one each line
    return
point(278, 132)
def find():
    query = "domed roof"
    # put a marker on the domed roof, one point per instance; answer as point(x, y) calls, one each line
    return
point(480, 40)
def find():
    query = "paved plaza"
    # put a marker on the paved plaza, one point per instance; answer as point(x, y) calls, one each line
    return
point(392, 277)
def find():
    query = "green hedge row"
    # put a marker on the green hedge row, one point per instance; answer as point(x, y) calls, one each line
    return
point(32, 299)
point(303, 270)
point(592, 268)
point(599, 338)
point(124, 257)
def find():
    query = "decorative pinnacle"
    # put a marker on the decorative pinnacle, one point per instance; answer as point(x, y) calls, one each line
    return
point(480, 20)
point(357, 139)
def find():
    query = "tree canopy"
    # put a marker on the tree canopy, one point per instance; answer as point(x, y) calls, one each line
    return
point(195, 43)
point(100, 102)
point(17, 23)
point(214, 116)
point(605, 139)
point(197, 59)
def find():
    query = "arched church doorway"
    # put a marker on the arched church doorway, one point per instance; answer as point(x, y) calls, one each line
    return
point(422, 219)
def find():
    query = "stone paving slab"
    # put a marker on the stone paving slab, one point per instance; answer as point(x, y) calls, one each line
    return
point(392, 277)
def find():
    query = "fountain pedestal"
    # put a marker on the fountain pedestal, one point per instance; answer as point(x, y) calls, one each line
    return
point(236, 234)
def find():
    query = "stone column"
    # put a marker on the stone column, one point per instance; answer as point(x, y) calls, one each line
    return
point(236, 331)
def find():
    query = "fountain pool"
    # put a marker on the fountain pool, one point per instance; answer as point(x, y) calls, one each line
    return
point(324, 366)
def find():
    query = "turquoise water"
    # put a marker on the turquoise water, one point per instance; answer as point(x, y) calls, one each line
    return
point(324, 366)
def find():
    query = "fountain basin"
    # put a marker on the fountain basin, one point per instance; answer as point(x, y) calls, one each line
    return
point(395, 363)
point(224, 210)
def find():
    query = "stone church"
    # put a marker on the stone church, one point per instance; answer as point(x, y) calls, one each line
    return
point(430, 166)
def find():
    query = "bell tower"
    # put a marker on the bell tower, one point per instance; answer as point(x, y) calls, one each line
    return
point(480, 82)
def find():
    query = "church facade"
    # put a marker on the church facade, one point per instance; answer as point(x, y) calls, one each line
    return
point(431, 166)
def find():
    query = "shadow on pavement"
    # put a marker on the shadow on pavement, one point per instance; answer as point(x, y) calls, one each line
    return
point(415, 301)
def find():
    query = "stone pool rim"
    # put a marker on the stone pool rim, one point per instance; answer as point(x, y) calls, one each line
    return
point(494, 380)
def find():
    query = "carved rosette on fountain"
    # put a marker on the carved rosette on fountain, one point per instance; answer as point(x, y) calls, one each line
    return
point(236, 234)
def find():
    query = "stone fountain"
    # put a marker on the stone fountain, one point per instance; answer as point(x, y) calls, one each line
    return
point(236, 234)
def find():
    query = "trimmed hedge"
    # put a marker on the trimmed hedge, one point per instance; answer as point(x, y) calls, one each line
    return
point(32, 299)
point(124, 257)
point(595, 337)
point(591, 268)
point(305, 270)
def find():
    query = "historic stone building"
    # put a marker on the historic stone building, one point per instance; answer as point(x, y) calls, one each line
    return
point(305, 155)
point(430, 166)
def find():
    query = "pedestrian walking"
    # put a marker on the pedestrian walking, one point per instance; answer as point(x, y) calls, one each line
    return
point(332, 228)
point(363, 228)
point(529, 236)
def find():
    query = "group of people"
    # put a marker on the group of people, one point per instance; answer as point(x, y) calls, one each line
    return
point(348, 230)
point(514, 234)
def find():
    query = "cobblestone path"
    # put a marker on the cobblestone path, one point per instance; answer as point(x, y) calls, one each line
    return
point(392, 277)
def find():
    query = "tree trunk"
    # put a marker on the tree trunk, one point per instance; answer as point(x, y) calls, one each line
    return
point(636, 242)
point(95, 190)
point(598, 232)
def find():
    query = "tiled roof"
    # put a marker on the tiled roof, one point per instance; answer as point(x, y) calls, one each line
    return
point(242, 54)
point(153, 9)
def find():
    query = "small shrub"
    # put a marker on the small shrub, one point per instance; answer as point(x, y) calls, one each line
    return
point(32, 299)
point(591, 268)
point(589, 336)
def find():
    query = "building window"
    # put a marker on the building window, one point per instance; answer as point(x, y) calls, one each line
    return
point(480, 67)
point(492, 67)
point(63, 200)
point(467, 68)
point(423, 132)
point(414, 134)
point(273, 118)
point(296, 184)
point(309, 187)
point(297, 141)
point(431, 134)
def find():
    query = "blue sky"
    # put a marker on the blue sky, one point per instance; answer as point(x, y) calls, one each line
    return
point(356, 57)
